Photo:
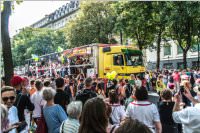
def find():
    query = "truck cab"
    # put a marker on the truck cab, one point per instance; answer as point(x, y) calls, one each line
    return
point(125, 60)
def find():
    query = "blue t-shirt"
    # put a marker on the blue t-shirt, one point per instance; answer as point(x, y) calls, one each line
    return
point(54, 116)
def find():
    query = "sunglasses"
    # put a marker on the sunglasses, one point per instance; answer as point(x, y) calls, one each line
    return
point(5, 99)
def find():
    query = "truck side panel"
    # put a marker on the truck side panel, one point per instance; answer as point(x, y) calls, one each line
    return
point(101, 63)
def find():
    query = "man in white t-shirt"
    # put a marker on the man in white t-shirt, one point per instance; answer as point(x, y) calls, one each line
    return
point(138, 81)
point(37, 100)
point(188, 117)
point(144, 111)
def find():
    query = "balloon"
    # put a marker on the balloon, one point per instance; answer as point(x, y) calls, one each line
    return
point(36, 59)
point(112, 76)
point(114, 73)
point(108, 75)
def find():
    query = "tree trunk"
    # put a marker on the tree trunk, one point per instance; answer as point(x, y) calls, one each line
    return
point(158, 51)
point(185, 59)
point(121, 41)
point(6, 45)
point(140, 45)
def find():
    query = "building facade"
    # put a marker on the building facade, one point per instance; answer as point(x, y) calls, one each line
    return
point(59, 18)
point(171, 56)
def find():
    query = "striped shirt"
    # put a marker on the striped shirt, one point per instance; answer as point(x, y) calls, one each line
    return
point(70, 126)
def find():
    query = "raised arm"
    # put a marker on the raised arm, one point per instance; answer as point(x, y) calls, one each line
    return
point(190, 97)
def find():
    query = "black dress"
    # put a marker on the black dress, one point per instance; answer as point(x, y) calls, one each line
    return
point(165, 111)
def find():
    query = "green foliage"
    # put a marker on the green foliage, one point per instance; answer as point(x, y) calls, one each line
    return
point(100, 22)
point(136, 19)
point(94, 24)
point(161, 17)
point(184, 22)
point(36, 41)
point(13, 3)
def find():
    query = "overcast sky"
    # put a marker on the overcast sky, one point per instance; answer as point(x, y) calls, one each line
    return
point(29, 12)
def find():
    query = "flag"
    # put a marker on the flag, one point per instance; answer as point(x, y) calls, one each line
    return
point(35, 57)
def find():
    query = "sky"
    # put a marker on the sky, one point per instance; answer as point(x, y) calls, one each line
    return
point(29, 12)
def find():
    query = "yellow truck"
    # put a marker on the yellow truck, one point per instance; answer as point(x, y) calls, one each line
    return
point(100, 59)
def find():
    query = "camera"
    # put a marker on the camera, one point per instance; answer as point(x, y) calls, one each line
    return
point(182, 89)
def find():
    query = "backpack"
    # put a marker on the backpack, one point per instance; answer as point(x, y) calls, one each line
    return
point(41, 124)
point(128, 90)
point(68, 91)
point(84, 95)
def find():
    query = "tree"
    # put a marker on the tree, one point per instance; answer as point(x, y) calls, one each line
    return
point(37, 41)
point(161, 14)
point(94, 24)
point(136, 18)
point(6, 46)
point(184, 17)
point(119, 25)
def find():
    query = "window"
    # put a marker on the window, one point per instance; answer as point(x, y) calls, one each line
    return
point(133, 60)
point(195, 64)
point(118, 60)
point(179, 50)
point(167, 50)
point(194, 48)
point(168, 65)
point(180, 65)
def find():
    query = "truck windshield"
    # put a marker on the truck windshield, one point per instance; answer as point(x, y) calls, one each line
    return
point(133, 60)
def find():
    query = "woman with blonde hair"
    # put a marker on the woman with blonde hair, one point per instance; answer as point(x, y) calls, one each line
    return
point(159, 84)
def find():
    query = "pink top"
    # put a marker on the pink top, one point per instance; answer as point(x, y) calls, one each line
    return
point(176, 77)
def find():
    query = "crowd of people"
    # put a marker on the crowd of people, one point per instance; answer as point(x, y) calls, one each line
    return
point(55, 67)
point(94, 105)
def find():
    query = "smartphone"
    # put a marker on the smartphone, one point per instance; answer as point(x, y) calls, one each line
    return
point(21, 126)
point(182, 90)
